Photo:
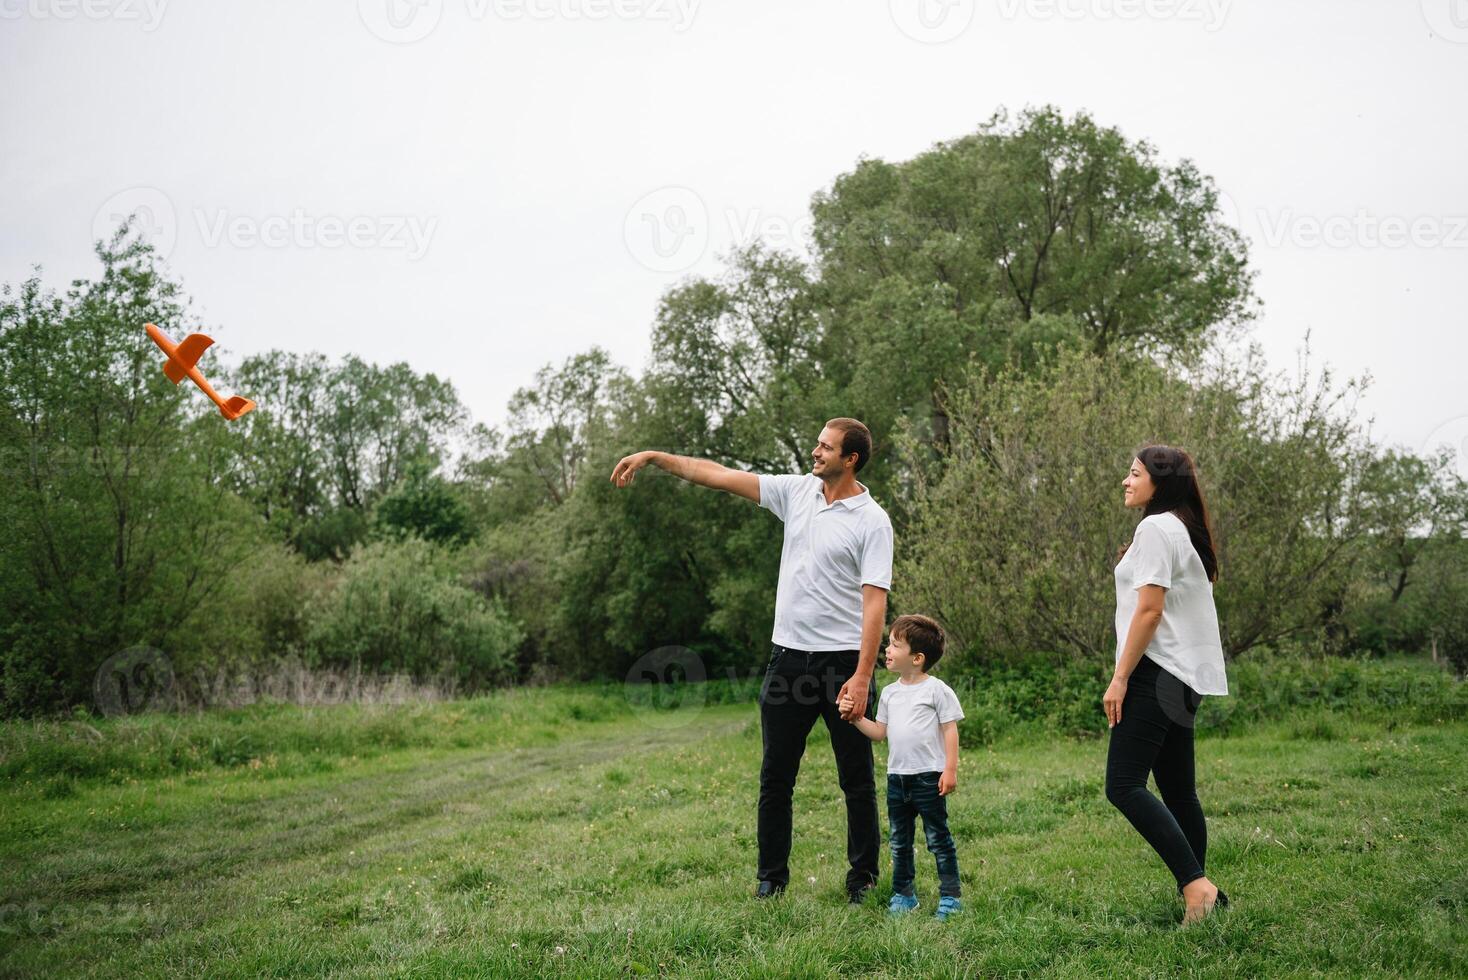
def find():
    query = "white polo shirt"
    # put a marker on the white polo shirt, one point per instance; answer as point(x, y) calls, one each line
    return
point(1187, 643)
point(830, 552)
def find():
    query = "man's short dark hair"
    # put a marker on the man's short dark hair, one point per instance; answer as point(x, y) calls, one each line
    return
point(922, 634)
point(855, 438)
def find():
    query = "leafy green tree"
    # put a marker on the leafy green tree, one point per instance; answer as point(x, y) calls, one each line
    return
point(989, 250)
point(278, 465)
point(1013, 545)
point(1410, 501)
point(738, 366)
point(1415, 516)
point(382, 421)
point(424, 505)
point(118, 532)
point(1047, 215)
point(328, 441)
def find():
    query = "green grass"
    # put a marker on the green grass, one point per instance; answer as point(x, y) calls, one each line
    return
point(561, 832)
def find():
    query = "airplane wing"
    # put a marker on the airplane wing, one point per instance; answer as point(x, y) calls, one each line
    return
point(191, 347)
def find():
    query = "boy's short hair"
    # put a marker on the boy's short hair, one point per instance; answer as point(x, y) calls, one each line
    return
point(922, 634)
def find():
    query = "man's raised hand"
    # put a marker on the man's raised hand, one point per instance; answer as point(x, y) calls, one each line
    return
point(628, 466)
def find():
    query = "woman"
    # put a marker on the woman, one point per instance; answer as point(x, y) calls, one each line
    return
point(1168, 656)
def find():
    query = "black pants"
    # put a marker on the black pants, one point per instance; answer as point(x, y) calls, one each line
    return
point(908, 797)
point(1155, 735)
point(798, 688)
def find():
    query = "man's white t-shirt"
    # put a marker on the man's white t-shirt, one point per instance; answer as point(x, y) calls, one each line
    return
point(912, 714)
point(830, 552)
point(1187, 643)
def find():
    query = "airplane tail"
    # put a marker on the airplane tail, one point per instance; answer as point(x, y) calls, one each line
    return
point(234, 407)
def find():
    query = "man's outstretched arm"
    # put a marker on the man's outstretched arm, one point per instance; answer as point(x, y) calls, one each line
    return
point(704, 472)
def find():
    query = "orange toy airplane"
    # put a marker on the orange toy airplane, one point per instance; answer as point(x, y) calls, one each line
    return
point(180, 364)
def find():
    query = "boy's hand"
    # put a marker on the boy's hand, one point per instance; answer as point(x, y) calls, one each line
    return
point(858, 686)
point(947, 783)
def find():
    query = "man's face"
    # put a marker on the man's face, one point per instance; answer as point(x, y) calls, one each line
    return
point(826, 457)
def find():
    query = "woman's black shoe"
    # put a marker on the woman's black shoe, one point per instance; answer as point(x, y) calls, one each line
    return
point(768, 889)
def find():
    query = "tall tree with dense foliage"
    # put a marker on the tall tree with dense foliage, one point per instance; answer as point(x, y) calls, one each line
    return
point(117, 533)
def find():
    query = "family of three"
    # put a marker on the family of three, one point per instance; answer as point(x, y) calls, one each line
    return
point(830, 614)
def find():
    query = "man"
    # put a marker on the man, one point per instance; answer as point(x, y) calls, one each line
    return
point(830, 607)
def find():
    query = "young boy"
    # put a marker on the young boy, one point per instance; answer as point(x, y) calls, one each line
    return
point(921, 715)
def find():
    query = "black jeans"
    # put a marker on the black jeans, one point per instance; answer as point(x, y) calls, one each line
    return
point(798, 688)
point(1155, 735)
point(909, 796)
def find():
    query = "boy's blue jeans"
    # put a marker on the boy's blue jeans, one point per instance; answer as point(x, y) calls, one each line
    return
point(910, 796)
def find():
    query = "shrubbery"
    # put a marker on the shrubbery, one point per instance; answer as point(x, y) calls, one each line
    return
point(394, 610)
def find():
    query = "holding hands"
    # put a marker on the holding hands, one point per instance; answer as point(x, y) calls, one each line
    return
point(852, 700)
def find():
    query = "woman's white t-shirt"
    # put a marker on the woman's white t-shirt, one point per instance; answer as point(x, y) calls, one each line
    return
point(1187, 643)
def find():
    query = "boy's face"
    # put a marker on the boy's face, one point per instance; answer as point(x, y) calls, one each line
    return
point(900, 657)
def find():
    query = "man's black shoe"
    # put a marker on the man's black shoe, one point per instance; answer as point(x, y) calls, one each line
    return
point(859, 895)
point(768, 889)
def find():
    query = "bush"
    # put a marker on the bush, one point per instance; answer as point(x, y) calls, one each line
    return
point(395, 609)
point(1035, 697)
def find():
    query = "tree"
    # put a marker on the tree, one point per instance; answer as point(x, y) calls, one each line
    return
point(425, 506)
point(1014, 543)
point(118, 533)
point(1410, 502)
point(555, 422)
point(739, 365)
point(1006, 243)
point(328, 441)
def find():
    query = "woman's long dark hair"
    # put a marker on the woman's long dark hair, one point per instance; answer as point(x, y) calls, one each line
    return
point(1175, 479)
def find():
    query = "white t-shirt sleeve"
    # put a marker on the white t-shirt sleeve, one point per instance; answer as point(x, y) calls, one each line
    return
point(882, 706)
point(876, 556)
point(1152, 557)
point(774, 492)
point(948, 707)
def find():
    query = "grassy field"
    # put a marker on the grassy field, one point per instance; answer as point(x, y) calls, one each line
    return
point(560, 832)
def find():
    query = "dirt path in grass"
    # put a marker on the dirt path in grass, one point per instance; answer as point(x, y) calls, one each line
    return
point(186, 853)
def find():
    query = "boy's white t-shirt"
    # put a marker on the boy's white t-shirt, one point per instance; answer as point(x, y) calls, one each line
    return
point(912, 714)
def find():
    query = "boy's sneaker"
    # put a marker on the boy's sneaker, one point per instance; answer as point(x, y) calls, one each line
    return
point(947, 905)
point(902, 904)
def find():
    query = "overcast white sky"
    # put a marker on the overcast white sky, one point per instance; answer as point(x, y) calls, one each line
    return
point(478, 187)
